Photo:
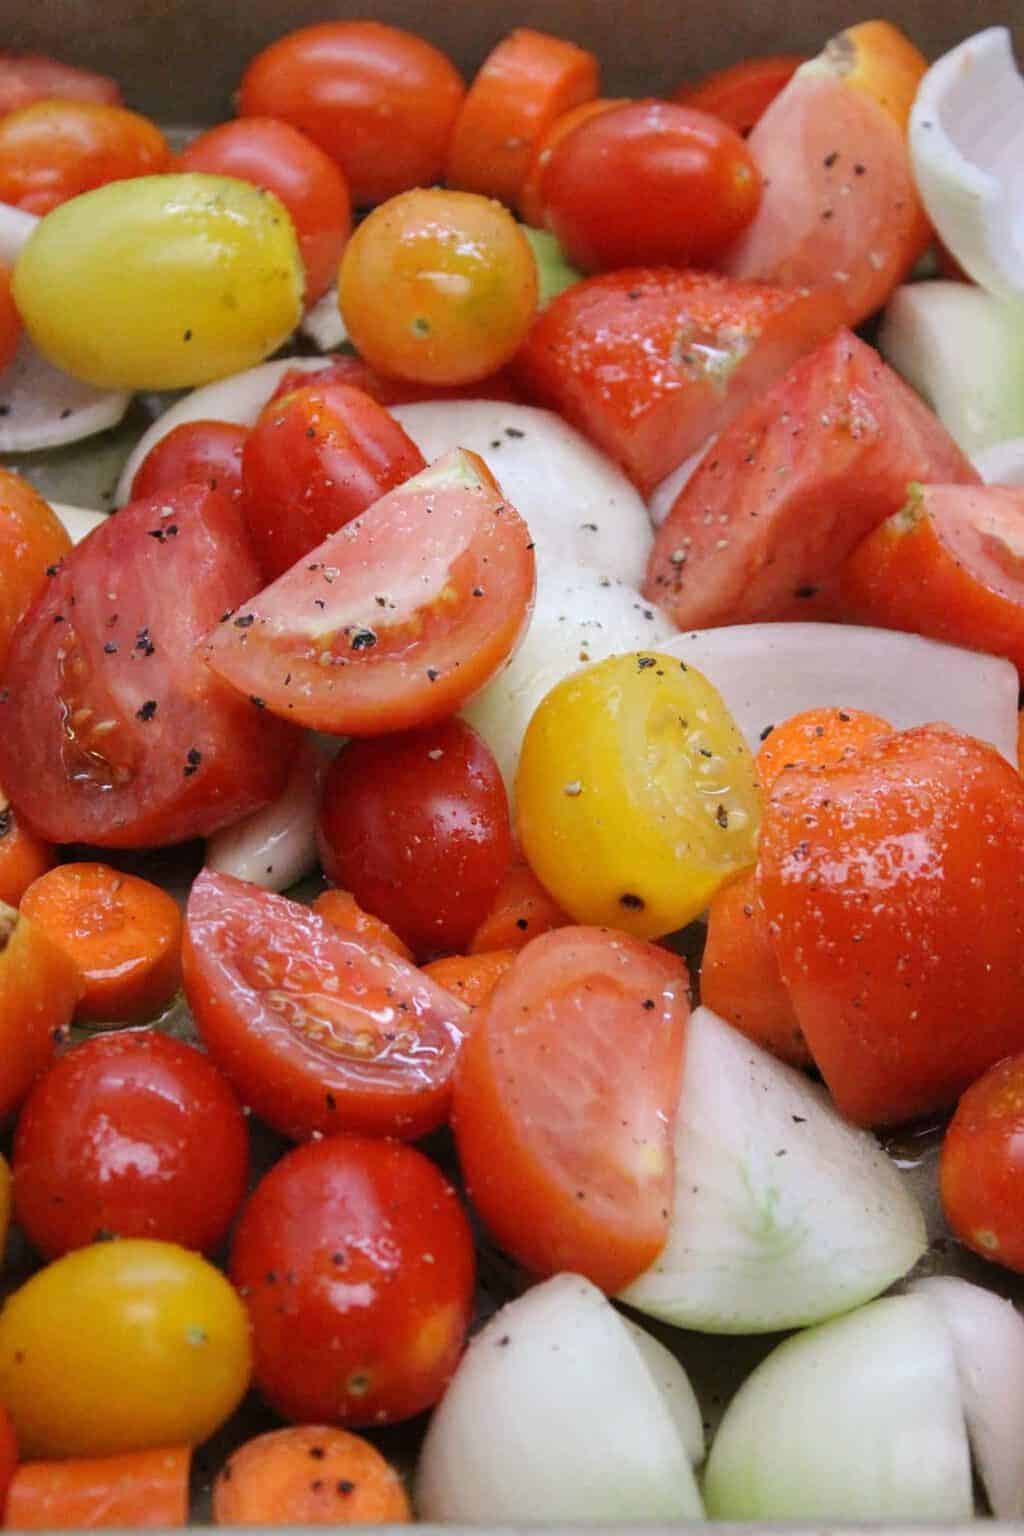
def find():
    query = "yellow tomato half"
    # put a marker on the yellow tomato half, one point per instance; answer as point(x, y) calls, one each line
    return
point(636, 794)
point(122, 1346)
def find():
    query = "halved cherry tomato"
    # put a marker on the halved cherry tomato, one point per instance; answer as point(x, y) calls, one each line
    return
point(416, 825)
point(949, 565)
point(133, 1491)
point(472, 977)
point(195, 453)
point(356, 1262)
point(23, 856)
point(379, 101)
point(129, 1135)
point(33, 542)
point(314, 460)
point(815, 738)
point(310, 185)
point(841, 209)
point(650, 182)
point(461, 282)
point(395, 620)
point(651, 362)
point(318, 1030)
point(981, 1173)
point(53, 150)
point(354, 371)
point(564, 1103)
point(10, 320)
point(521, 911)
point(112, 730)
point(523, 86)
point(793, 485)
point(28, 77)
point(741, 93)
point(739, 974)
point(893, 884)
point(39, 988)
point(531, 207)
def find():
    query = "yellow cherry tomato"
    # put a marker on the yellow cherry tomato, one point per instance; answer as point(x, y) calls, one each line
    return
point(438, 287)
point(122, 1346)
point(636, 794)
point(161, 282)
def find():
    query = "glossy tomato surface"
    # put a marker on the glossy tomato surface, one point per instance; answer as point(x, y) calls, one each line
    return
point(33, 541)
point(129, 1135)
point(318, 1030)
point(741, 93)
point(893, 884)
point(355, 1258)
point(981, 1175)
point(395, 620)
point(416, 825)
point(647, 183)
point(112, 729)
point(315, 459)
point(565, 1099)
point(194, 453)
point(28, 77)
point(53, 150)
point(39, 989)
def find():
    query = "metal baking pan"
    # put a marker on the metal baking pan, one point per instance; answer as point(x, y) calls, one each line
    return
point(179, 61)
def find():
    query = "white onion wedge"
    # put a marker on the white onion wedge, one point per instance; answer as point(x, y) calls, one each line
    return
point(582, 618)
point(579, 507)
point(767, 672)
point(553, 1415)
point(1003, 463)
point(323, 324)
point(662, 499)
point(238, 399)
point(858, 1419)
point(79, 521)
point(783, 1213)
point(987, 1334)
point(963, 351)
point(276, 846)
point(680, 1398)
point(967, 148)
point(15, 227)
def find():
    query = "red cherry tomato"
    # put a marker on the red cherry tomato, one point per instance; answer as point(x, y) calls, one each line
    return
point(318, 1030)
point(10, 320)
point(315, 459)
point(356, 371)
point(981, 1174)
point(396, 619)
point(194, 453)
point(648, 183)
point(378, 100)
point(564, 1102)
point(131, 1135)
point(740, 94)
point(112, 729)
point(312, 188)
point(416, 826)
point(355, 1259)
point(54, 150)
point(29, 77)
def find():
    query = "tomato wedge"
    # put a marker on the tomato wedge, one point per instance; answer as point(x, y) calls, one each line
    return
point(112, 730)
point(318, 1030)
point(395, 620)
point(792, 487)
point(564, 1102)
point(650, 362)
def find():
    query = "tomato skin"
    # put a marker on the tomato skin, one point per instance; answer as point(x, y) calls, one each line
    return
point(649, 183)
point(607, 355)
point(893, 883)
point(564, 1101)
point(378, 100)
point(28, 77)
point(461, 281)
point(739, 976)
point(314, 460)
point(417, 826)
point(742, 93)
point(23, 856)
point(321, 649)
point(318, 1030)
point(186, 1174)
point(356, 1262)
point(816, 737)
point(310, 185)
point(531, 205)
point(194, 453)
point(794, 484)
point(115, 635)
point(32, 539)
point(356, 372)
point(10, 320)
point(122, 1346)
point(39, 989)
point(981, 1173)
point(53, 150)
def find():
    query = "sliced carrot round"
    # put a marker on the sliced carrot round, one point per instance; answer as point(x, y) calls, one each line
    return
point(309, 1475)
point(522, 910)
point(472, 978)
point(139, 1489)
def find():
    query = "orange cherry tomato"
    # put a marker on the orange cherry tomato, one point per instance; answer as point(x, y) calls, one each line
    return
point(815, 738)
point(33, 541)
point(981, 1172)
point(54, 150)
point(39, 988)
point(531, 208)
